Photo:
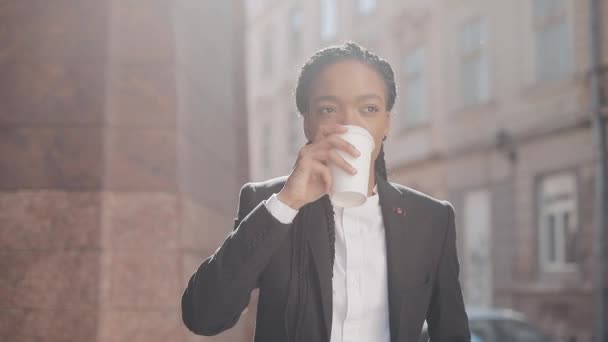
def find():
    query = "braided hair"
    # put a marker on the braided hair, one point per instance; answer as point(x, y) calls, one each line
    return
point(299, 278)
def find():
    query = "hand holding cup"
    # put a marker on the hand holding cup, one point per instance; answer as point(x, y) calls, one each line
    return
point(311, 177)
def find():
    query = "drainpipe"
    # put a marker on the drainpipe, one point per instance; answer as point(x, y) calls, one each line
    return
point(599, 134)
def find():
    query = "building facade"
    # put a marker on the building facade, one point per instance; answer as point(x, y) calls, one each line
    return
point(122, 151)
point(493, 113)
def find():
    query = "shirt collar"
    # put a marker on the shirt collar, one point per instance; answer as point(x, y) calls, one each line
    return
point(373, 199)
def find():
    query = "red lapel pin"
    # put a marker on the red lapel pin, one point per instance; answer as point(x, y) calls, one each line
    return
point(399, 211)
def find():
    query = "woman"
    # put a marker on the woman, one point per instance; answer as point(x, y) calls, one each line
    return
point(326, 273)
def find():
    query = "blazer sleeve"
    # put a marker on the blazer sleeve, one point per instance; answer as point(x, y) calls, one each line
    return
point(219, 290)
point(446, 318)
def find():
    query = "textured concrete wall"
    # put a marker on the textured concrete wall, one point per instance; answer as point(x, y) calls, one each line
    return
point(122, 150)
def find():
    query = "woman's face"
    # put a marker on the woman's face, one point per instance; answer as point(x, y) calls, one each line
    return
point(349, 93)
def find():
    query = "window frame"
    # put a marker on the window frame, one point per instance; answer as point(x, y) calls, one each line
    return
point(328, 34)
point(475, 53)
point(560, 207)
point(544, 23)
point(295, 22)
point(366, 7)
point(423, 81)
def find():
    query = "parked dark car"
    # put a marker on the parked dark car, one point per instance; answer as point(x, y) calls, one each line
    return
point(498, 325)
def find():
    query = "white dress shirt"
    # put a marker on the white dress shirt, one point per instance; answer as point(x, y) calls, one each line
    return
point(360, 286)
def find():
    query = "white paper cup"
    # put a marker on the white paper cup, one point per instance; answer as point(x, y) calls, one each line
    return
point(350, 190)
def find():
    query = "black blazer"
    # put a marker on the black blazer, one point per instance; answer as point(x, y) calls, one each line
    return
point(421, 258)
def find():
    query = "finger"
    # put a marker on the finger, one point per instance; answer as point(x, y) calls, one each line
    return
point(315, 152)
point(330, 143)
point(324, 156)
point(325, 152)
point(316, 155)
point(323, 171)
point(320, 154)
point(341, 162)
point(337, 142)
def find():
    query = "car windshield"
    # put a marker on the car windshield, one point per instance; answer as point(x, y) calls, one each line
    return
point(519, 331)
point(499, 330)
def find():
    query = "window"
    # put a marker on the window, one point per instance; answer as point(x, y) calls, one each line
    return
point(328, 20)
point(477, 252)
point(553, 53)
point(415, 88)
point(474, 79)
point(366, 6)
point(558, 222)
point(295, 32)
point(266, 148)
point(267, 53)
point(296, 134)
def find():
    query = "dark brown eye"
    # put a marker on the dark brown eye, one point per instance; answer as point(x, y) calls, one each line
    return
point(326, 110)
point(370, 109)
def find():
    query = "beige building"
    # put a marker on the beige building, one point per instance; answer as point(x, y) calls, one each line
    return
point(493, 113)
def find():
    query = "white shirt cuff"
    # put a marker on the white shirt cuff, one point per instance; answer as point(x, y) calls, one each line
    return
point(281, 211)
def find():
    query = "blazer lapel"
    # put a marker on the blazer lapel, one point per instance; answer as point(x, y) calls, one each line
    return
point(394, 209)
point(319, 246)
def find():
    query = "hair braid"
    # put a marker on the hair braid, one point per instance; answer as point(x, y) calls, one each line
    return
point(380, 164)
point(331, 229)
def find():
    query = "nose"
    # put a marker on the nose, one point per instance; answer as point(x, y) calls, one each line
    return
point(351, 117)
